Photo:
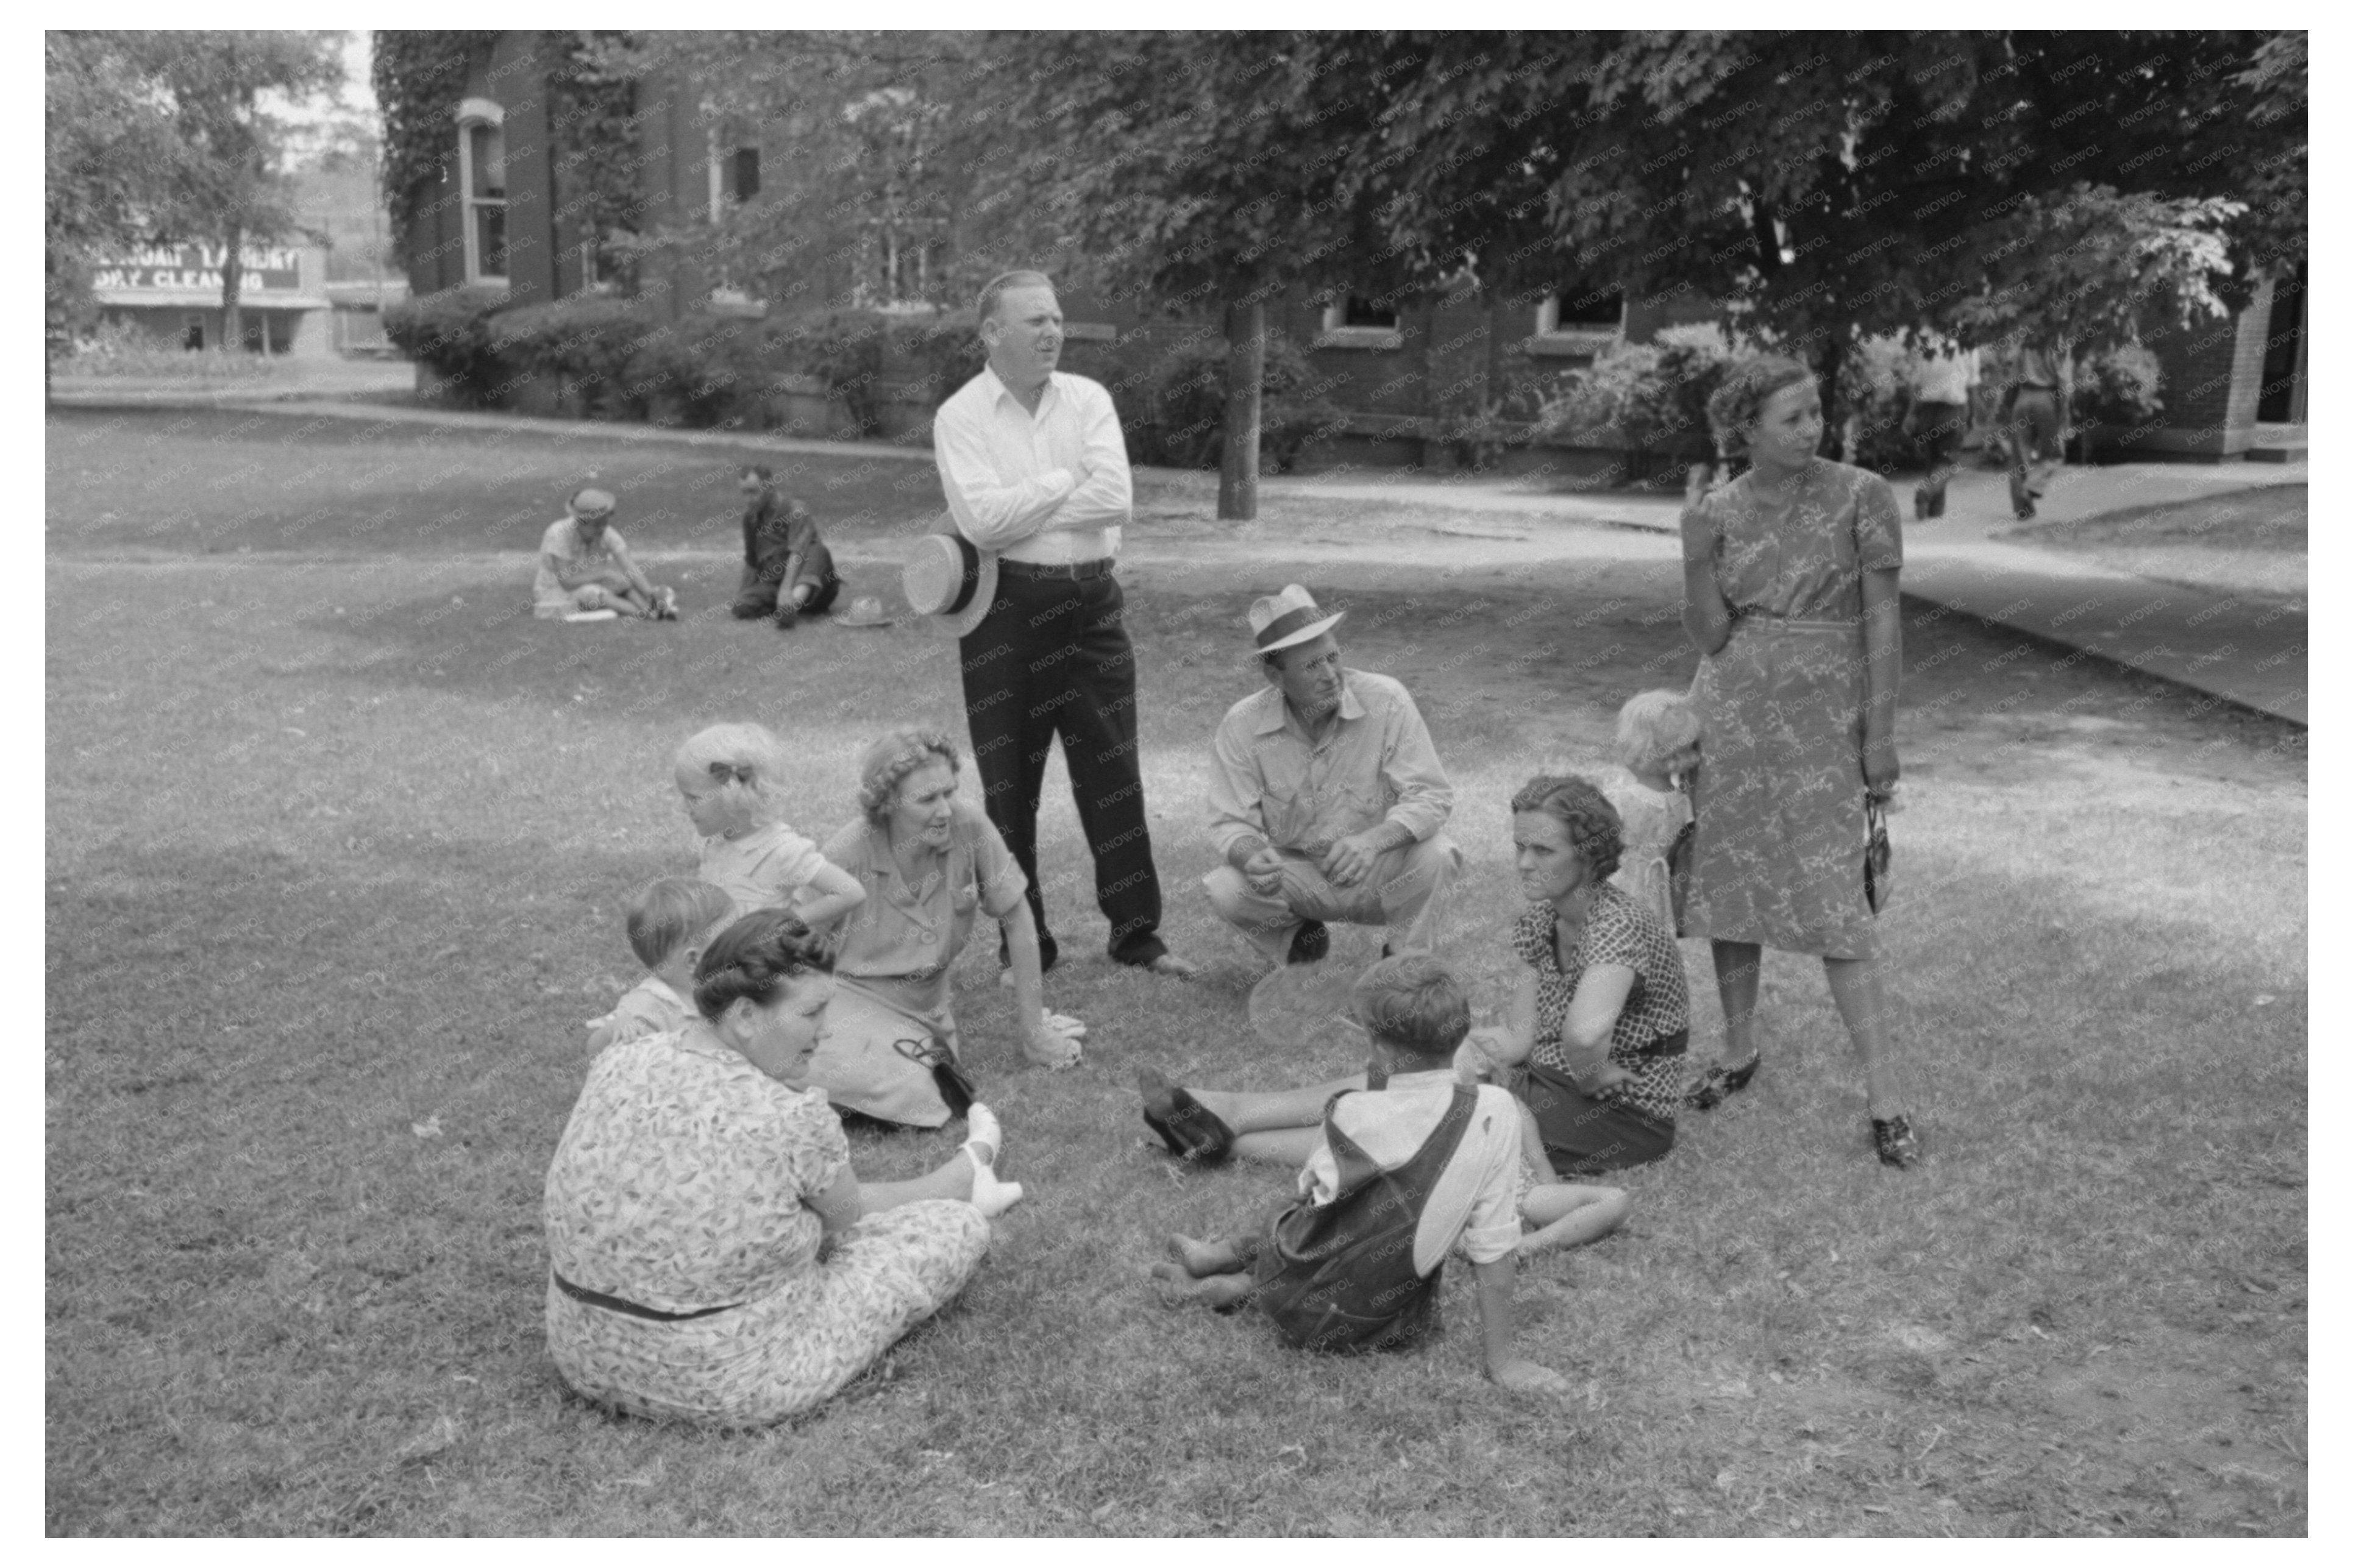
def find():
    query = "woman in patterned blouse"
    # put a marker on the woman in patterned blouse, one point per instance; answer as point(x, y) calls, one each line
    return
point(694, 1184)
point(1601, 1018)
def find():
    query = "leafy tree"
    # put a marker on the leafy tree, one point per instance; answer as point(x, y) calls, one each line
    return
point(113, 159)
point(1204, 171)
point(232, 188)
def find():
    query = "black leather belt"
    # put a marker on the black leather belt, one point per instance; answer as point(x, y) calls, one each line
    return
point(615, 1303)
point(1072, 571)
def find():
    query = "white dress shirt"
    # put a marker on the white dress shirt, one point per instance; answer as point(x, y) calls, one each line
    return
point(1013, 479)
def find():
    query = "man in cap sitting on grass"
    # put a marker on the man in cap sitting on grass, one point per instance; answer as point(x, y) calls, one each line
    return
point(584, 565)
point(1326, 798)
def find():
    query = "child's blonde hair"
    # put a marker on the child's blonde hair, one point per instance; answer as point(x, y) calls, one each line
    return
point(665, 915)
point(1657, 731)
point(1411, 1003)
point(730, 756)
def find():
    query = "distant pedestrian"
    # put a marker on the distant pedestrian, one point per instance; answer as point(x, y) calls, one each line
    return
point(1790, 595)
point(1037, 479)
point(584, 567)
point(2030, 418)
point(1942, 380)
point(788, 570)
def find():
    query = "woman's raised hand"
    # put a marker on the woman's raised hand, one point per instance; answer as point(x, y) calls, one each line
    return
point(1699, 538)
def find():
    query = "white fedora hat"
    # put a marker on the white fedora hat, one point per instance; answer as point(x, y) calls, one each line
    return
point(1291, 617)
point(949, 583)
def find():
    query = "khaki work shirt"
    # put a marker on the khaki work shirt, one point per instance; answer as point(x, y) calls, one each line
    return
point(1375, 764)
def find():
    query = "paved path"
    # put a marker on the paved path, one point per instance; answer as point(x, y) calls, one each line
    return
point(2248, 651)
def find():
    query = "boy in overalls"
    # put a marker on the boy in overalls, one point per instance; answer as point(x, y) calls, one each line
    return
point(1403, 1172)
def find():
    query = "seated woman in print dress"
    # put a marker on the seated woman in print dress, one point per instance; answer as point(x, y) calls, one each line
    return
point(930, 864)
point(1789, 593)
point(693, 1184)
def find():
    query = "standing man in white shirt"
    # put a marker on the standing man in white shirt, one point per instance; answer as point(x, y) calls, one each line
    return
point(1035, 471)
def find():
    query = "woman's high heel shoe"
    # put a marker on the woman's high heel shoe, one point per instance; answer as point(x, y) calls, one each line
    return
point(1719, 1082)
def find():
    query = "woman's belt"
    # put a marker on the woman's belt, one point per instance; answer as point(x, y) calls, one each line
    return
point(1792, 623)
point(615, 1304)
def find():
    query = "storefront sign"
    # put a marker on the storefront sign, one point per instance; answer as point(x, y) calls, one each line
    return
point(266, 269)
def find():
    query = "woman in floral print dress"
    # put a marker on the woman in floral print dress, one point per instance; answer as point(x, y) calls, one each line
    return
point(695, 1184)
point(1790, 585)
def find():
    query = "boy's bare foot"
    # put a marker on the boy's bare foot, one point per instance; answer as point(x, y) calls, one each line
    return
point(1202, 1258)
point(1220, 1293)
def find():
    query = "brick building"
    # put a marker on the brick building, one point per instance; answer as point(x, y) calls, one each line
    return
point(506, 218)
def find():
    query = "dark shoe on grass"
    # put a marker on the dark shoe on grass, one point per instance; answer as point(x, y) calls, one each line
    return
point(1309, 943)
point(1190, 1129)
point(1718, 1084)
point(1898, 1144)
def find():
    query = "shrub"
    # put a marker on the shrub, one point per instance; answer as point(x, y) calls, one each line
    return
point(945, 352)
point(1874, 392)
point(1188, 401)
point(449, 333)
point(584, 344)
point(844, 348)
point(719, 369)
point(1648, 397)
point(2117, 387)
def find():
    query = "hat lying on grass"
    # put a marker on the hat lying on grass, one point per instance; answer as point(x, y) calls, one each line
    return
point(866, 610)
point(949, 582)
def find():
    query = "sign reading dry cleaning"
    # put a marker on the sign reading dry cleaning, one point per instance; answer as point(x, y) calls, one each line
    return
point(199, 266)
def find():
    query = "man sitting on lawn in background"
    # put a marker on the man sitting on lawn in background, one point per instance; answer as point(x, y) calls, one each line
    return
point(584, 565)
point(1398, 1176)
point(788, 570)
point(1326, 798)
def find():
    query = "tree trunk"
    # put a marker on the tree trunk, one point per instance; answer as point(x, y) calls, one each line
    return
point(1494, 393)
point(1834, 429)
point(1245, 369)
point(232, 278)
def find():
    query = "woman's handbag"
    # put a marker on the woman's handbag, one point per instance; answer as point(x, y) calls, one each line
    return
point(1875, 854)
point(958, 1091)
point(1679, 865)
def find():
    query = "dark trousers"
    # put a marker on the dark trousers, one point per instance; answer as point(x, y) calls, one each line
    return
point(1051, 658)
point(757, 592)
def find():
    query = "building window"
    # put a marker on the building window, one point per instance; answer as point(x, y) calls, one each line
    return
point(747, 174)
point(1580, 323)
point(1353, 322)
point(482, 176)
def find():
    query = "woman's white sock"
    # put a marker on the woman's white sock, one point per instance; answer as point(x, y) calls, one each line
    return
point(989, 1195)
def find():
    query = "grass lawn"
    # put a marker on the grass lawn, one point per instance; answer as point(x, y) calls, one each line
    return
point(337, 842)
point(2249, 542)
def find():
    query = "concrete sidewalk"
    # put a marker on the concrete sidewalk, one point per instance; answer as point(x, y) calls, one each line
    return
point(2247, 651)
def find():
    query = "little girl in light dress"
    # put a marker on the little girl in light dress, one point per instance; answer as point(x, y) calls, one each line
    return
point(1657, 745)
point(730, 778)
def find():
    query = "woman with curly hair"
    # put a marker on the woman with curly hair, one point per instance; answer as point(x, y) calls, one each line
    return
point(1789, 593)
point(1595, 1036)
point(697, 1179)
point(931, 863)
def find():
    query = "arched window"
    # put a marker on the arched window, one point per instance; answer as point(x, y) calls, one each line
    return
point(482, 176)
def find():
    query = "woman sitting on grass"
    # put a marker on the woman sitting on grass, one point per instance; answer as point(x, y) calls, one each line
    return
point(695, 1184)
point(1601, 1019)
point(929, 864)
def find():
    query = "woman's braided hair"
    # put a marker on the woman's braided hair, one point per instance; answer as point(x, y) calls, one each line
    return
point(891, 759)
point(1595, 832)
point(1737, 403)
point(755, 957)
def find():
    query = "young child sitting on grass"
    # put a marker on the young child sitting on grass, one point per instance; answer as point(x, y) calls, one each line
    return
point(730, 779)
point(670, 921)
point(1399, 1176)
point(584, 565)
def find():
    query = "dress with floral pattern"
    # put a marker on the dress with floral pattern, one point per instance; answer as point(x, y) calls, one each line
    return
point(1618, 930)
point(681, 1185)
point(1777, 856)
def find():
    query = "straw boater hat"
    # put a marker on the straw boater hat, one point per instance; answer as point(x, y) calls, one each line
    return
point(866, 610)
point(1279, 620)
point(948, 580)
